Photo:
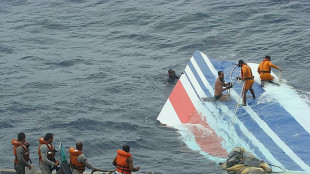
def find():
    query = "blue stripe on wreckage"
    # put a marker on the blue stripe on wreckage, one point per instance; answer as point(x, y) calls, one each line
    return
point(249, 122)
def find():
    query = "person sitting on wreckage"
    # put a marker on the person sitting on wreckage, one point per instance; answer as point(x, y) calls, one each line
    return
point(220, 86)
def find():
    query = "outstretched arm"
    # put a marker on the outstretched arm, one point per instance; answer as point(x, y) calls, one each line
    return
point(130, 165)
point(82, 158)
point(274, 66)
point(114, 162)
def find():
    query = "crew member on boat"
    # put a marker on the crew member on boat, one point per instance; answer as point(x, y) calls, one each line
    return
point(78, 160)
point(264, 70)
point(46, 153)
point(221, 86)
point(123, 161)
point(21, 153)
point(247, 78)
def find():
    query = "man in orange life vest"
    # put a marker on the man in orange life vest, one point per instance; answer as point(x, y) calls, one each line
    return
point(46, 153)
point(247, 78)
point(264, 70)
point(123, 161)
point(21, 153)
point(78, 160)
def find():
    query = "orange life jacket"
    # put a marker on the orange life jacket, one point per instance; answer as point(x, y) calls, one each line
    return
point(246, 68)
point(264, 66)
point(15, 144)
point(75, 164)
point(121, 161)
point(50, 153)
point(264, 70)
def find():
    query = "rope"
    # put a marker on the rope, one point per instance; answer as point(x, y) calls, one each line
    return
point(283, 170)
point(238, 103)
point(109, 171)
point(280, 75)
point(233, 80)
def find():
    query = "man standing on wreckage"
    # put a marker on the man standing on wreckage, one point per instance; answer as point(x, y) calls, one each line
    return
point(247, 78)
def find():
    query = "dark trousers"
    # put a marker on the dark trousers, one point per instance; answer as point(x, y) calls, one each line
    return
point(19, 168)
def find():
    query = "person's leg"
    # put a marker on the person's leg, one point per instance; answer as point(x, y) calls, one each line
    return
point(224, 97)
point(45, 169)
point(217, 97)
point(262, 83)
point(272, 82)
point(19, 169)
point(248, 86)
point(244, 96)
point(252, 92)
point(74, 171)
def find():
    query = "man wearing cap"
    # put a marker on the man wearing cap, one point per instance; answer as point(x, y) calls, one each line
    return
point(247, 78)
point(264, 70)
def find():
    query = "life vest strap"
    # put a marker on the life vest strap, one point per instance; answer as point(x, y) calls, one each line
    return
point(265, 71)
point(123, 168)
point(79, 168)
point(248, 78)
point(25, 155)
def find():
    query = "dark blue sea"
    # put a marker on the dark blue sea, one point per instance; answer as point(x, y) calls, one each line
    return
point(96, 71)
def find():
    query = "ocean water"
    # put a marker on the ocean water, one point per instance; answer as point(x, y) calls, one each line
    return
point(96, 71)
